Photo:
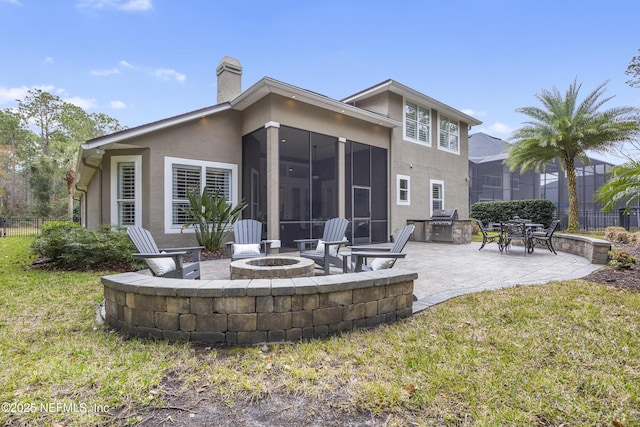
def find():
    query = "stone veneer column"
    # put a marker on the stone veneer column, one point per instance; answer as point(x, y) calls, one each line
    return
point(273, 180)
point(342, 142)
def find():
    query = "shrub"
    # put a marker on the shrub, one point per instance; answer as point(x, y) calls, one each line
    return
point(617, 235)
point(539, 211)
point(619, 258)
point(72, 247)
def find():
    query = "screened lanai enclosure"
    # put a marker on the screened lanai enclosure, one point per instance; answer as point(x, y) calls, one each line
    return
point(309, 170)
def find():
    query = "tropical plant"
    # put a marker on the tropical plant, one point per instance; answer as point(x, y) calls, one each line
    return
point(621, 259)
point(567, 129)
point(211, 215)
point(623, 186)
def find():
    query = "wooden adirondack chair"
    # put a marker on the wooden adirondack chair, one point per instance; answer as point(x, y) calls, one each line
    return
point(248, 243)
point(324, 252)
point(383, 257)
point(164, 262)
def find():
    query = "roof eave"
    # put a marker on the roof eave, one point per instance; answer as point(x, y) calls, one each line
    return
point(119, 137)
point(270, 86)
point(406, 91)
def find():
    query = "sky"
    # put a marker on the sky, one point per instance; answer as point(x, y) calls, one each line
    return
point(144, 60)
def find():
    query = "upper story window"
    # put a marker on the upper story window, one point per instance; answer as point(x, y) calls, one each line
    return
point(417, 123)
point(449, 134)
point(404, 185)
point(126, 190)
point(185, 175)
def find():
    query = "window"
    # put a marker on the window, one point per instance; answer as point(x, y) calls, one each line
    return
point(185, 175)
point(126, 190)
point(437, 195)
point(403, 182)
point(491, 181)
point(417, 123)
point(449, 135)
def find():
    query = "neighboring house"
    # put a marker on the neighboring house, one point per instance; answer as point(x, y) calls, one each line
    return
point(490, 178)
point(379, 158)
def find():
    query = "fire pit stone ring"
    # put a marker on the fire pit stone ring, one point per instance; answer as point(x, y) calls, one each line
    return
point(272, 267)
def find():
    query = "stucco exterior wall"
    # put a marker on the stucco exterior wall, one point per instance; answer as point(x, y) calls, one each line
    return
point(215, 139)
point(290, 112)
point(423, 164)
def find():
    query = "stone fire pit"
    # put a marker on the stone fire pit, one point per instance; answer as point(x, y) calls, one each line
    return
point(278, 267)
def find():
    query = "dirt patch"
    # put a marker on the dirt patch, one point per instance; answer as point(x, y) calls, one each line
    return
point(622, 278)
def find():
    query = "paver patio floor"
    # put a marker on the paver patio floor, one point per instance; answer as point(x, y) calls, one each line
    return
point(446, 270)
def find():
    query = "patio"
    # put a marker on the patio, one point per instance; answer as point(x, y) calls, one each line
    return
point(447, 270)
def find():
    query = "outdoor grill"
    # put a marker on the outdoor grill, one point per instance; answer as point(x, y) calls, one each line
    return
point(442, 224)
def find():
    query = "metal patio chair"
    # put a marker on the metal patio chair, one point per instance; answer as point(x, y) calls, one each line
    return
point(487, 236)
point(545, 237)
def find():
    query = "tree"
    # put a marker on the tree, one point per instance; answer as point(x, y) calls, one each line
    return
point(77, 127)
point(633, 70)
point(62, 127)
point(623, 186)
point(566, 129)
point(17, 146)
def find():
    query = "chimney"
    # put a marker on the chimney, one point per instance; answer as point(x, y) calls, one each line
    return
point(229, 74)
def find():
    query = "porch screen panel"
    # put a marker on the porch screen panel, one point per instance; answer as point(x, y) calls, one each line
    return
point(126, 193)
point(185, 178)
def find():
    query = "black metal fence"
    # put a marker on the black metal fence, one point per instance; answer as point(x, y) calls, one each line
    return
point(21, 226)
point(598, 220)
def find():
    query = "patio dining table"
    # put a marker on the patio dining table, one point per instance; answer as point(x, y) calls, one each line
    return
point(518, 230)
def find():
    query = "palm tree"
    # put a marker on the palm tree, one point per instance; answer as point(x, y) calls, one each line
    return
point(565, 129)
point(622, 187)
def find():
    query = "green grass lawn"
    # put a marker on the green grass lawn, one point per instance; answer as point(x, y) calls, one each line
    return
point(564, 353)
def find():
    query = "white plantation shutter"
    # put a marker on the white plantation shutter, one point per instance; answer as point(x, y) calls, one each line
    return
point(126, 190)
point(184, 179)
point(436, 196)
point(219, 180)
point(126, 193)
point(449, 134)
point(417, 122)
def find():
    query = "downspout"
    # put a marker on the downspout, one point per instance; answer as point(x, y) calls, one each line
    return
point(99, 173)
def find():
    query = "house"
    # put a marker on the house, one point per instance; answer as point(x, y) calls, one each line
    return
point(379, 158)
point(491, 179)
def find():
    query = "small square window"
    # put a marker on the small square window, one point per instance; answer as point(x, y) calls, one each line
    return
point(404, 187)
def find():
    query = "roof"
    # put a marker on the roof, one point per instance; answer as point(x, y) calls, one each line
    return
point(406, 91)
point(482, 145)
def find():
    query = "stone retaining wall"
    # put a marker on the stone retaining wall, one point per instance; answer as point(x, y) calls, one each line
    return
point(246, 312)
point(595, 250)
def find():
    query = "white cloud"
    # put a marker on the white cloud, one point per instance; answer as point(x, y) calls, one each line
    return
point(84, 103)
point(11, 94)
point(117, 105)
point(124, 5)
point(136, 5)
point(48, 60)
point(473, 113)
point(496, 129)
point(125, 64)
point(16, 2)
point(500, 128)
point(166, 74)
point(103, 73)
